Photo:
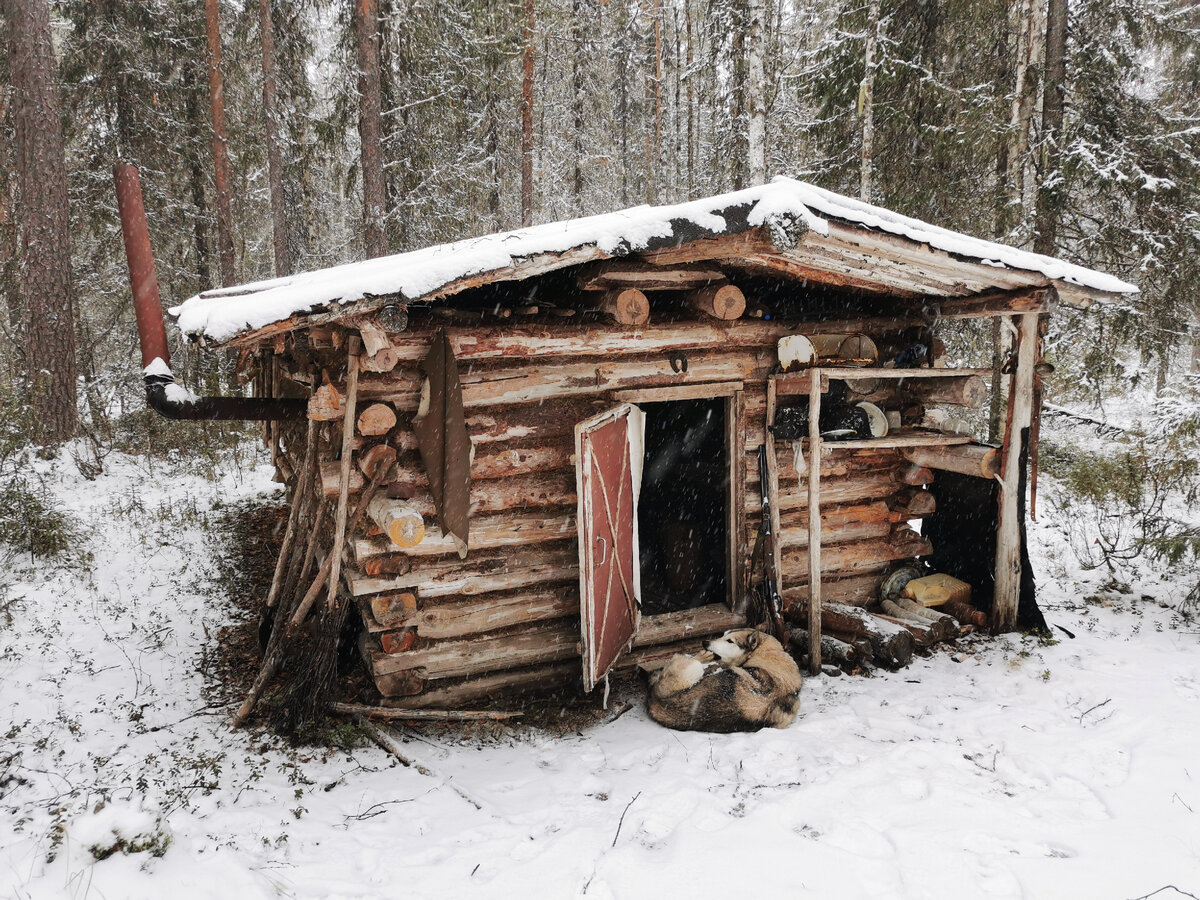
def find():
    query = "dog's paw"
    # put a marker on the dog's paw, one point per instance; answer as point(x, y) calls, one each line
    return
point(691, 672)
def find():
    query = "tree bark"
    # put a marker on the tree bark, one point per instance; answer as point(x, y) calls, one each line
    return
point(8, 248)
point(216, 97)
point(366, 28)
point(43, 221)
point(1053, 97)
point(866, 101)
point(577, 99)
point(492, 121)
point(1024, 99)
point(200, 222)
point(279, 230)
point(527, 118)
point(756, 112)
point(691, 101)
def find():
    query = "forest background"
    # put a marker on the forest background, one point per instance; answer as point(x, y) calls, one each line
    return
point(275, 137)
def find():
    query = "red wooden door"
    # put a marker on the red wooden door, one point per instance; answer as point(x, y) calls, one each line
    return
point(608, 465)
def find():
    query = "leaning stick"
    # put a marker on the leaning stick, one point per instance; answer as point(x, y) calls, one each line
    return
point(444, 715)
point(303, 482)
point(275, 654)
point(339, 527)
point(368, 495)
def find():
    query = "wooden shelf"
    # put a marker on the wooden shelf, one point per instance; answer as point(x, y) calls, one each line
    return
point(902, 438)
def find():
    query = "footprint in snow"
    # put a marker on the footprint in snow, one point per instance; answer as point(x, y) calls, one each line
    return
point(1187, 684)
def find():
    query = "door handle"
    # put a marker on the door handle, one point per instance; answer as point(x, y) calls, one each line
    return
point(603, 550)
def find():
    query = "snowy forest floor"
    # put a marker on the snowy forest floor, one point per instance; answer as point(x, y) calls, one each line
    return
point(1006, 767)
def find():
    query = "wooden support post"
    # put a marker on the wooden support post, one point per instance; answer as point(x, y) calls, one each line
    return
point(772, 487)
point(814, 526)
point(1008, 537)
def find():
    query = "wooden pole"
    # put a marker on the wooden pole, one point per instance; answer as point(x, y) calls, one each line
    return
point(1008, 537)
point(445, 715)
point(814, 523)
point(339, 526)
point(772, 488)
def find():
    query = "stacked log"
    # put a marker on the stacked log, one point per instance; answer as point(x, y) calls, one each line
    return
point(442, 630)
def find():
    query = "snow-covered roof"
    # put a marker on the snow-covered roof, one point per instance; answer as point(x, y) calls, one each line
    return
point(807, 225)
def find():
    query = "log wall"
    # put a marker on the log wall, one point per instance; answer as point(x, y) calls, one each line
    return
point(441, 630)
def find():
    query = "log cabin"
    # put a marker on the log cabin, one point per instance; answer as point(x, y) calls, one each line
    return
point(530, 459)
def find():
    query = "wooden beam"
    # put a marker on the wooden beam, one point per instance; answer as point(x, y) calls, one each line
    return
point(1008, 536)
point(646, 277)
point(996, 303)
point(681, 392)
point(979, 460)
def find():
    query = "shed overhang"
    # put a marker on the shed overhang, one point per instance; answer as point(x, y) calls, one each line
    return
point(786, 229)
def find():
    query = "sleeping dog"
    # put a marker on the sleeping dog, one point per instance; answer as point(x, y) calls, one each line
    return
point(741, 681)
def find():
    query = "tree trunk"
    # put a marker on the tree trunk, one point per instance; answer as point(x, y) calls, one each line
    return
point(866, 103)
point(1053, 95)
point(216, 96)
point(691, 101)
point(366, 27)
point(577, 98)
point(739, 91)
point(756, 125)
point(283, 257)
point(492, 122)
point(8, 249)
point(1024, 100)
point(527, 118)
point(43, 221)
point(658, 100)
point(200, 226)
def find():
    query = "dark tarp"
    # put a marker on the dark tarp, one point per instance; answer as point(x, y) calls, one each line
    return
point(444, 442)
point(963, 534)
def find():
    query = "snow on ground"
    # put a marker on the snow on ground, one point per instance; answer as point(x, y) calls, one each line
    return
point(1006, 768)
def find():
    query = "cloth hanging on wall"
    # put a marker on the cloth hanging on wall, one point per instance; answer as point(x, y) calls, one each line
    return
point(445, 445)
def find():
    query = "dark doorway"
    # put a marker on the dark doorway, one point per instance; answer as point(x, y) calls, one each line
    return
point(683, 509)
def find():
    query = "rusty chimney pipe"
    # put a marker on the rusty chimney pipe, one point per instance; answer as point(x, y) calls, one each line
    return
point(163, 394)
point(147, 304)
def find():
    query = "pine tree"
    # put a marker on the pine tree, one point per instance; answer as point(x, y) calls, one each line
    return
point(43, 221)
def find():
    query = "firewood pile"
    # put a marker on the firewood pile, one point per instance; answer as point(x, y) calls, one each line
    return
point(884, 634)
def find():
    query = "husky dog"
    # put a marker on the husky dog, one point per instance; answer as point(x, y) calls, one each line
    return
point(742, 681)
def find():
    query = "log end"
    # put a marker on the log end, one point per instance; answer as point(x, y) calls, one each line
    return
point(407, 531)
point(627, 307)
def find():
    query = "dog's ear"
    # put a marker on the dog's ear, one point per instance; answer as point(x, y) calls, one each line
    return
point(753, 640)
